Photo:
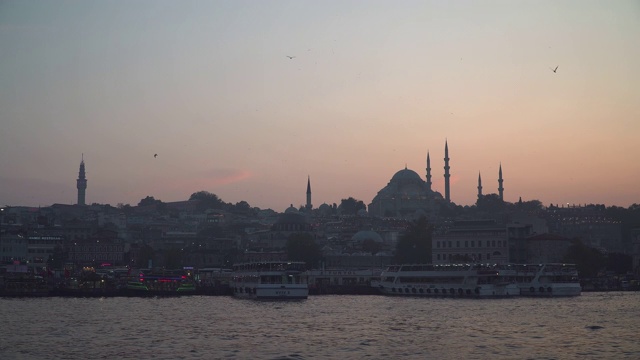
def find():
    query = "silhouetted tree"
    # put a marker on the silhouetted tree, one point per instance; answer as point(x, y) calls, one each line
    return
point(490, 203)
point(302, 247)
point(619, 263)
point(207, 200)
point(149, 200)
point(414, 246)
point(371, 246)
point(589, 261)
point(351, 206)
point(125, 208)
point(531, 207)
point(243, 207)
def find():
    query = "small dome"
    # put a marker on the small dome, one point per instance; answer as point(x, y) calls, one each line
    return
point(363, 235)
point(324, 206)
point(291, 210)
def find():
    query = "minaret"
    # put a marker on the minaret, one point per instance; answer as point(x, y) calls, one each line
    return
point(447, 194)
point(81, 183)
point(500, 188)
point(309, 206)
point(479, 186)
point(428, 172)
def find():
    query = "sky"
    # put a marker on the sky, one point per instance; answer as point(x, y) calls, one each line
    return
point(373, 86)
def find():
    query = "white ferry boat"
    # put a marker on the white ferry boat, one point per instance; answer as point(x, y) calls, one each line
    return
point(463, 280)
point(548, 280)
point(278, 280)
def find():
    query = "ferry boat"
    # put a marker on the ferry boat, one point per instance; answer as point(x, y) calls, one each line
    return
point(547, 280)
point(455, 280)
point(266, 280)
point(137, 286)
point(27, 285)
point(166, 283)
point(342, 281)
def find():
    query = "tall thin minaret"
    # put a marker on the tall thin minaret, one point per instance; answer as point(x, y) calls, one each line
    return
point(500, 188)
point(309, 206)
point(479, 186)
point(428, 172)
point(81, 183)
point(447, 194)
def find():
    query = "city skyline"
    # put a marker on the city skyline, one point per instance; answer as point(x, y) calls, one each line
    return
point(248, 100)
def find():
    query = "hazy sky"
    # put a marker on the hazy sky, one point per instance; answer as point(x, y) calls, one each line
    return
point(374, 85)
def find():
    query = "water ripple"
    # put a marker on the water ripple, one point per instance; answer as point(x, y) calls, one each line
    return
point(593, 325)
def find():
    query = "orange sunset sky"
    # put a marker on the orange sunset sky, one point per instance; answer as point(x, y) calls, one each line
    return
point(371, 88)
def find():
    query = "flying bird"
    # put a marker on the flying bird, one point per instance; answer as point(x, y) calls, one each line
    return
point(155, 155)
point(290, 57)
point(554, 70)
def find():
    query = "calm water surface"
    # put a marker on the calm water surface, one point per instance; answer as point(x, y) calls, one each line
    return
point(593, 325)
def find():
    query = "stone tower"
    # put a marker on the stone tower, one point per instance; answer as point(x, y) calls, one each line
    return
point(428, 172)
point(447, 193)
point(500, 188)
point(309, 206)
point(81, 183)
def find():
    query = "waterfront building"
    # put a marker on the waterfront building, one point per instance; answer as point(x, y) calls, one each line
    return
point(590, 224)
point(102, 247)
point(41, 246)
point(481, 241)
point(546, 248)
point(13, 244)
point(290, 222)
point(635, 252)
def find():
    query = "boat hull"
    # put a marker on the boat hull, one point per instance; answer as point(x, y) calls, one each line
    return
point(550, 290)
point(274, 292)
point(480, 291)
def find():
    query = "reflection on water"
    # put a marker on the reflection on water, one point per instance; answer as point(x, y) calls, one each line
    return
point(593, 325)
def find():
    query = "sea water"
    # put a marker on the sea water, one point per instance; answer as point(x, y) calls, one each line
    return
point(590, 326)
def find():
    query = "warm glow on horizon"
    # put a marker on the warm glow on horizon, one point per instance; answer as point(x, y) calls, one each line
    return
point(372, 87)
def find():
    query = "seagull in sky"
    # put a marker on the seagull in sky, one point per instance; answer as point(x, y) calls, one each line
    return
point(290, 57)
point(554, 70)
point(155, 155)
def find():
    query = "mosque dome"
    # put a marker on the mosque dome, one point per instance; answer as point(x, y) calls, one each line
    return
point(291, 210)
point(405, 194)
point(404, 175)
